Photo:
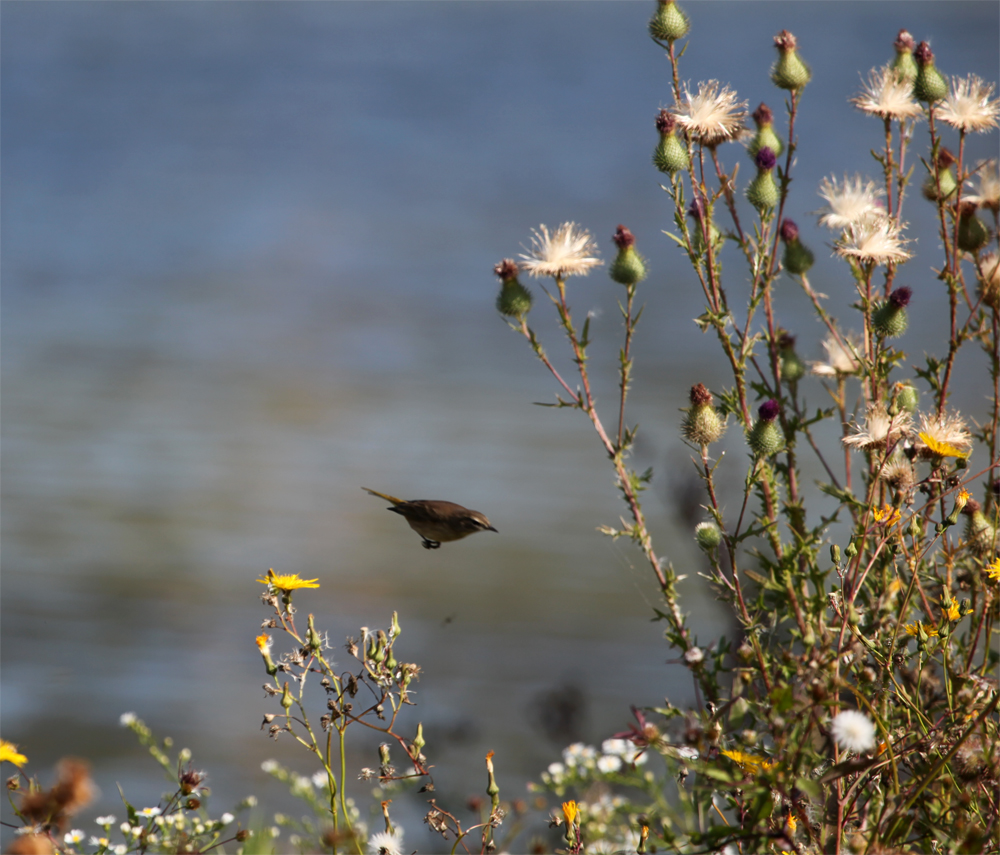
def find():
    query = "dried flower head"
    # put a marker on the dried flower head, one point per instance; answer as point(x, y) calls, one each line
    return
point(849, 202)
point(386, 842)
point(874, 239)
point(880, 429)
point(898, 473)
point(712, 116)
point(841, 358)
point(943, 436)
point(988, 186)
point(72, 791)
point(888, 95)
point(852, 730)
point(569, 251)
point(970, 105)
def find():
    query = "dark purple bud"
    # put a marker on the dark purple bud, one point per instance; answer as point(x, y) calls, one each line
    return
point(763, 115)
point(786, 341)
point(769, 410)
point(995, 487)
point(785, 41)
point(789, 231)
point(945, 158)
point(971, 507)
point(623, 238)
point(506, 270)
point(665, 122)
point(697, 208)
point(700, 394)
point(900, 298)
point(904, 42)
point(765, 159)
point(923, 54)
point(966, 210)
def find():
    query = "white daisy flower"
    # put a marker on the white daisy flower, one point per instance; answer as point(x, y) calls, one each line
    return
point(127, 719)
point(74, 836)
point(849, 202)
point(609, 763)
point(618, 747)
point(569, 251)
point(853, 731)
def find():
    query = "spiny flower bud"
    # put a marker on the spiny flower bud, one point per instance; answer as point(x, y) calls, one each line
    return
point(789, 72)
point(670, 156)
point(628, 268)
point(929, 84)
point(763, 192)
point(980, 535)
point(904, 65)
point(514, 300)
point(798, 258)
point(940, 184)
point(907, 397)
point(889, 319)
point(972, 234)
point(702, 423)
point(792, 368)
point(765, 136)
point(669, 22)
point(765, 437)
point(708, 535)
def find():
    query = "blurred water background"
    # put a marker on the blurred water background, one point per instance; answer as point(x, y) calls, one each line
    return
point(247, 253)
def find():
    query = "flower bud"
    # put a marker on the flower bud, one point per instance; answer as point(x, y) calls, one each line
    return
point(628, 268)
point(669, 22)
point(980, 536)
point(792, 368)
point(941, 183)
point(889, 318)
point(798, 258)
point(765, 437)
point(929, 84)
point(907, 397)
point(670, 156)
point(904, 65)
point(763, 192)
point(286, 697)
point(765, 136)
point(708, 535)
point(418, 740)
point(514, 300)
point(972, 234)
point(702, 423)
point(789, 72)
point(852, 549)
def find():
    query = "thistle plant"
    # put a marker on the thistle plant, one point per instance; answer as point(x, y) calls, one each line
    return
point(857, 709)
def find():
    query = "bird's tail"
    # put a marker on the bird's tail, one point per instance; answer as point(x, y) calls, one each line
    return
point(388, 498)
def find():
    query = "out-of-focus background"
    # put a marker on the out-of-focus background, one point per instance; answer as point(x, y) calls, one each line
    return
point(247, 253)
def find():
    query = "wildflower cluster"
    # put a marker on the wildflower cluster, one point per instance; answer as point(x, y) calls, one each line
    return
point(857, 707)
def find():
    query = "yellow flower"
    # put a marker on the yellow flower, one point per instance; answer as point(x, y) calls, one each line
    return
point(9, 752)
point(993, 570)
point(263, 642)
point(749, 763)
point(288, 582)
point(915, 627)
point(792, 822)
point(952, 612)
point(942, 449)
point(570, 811)
point(893, 587)
point(887, 516)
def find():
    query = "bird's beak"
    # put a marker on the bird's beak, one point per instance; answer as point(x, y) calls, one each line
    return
point(490, 528)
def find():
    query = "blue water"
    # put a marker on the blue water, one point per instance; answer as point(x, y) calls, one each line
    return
point(247, 253)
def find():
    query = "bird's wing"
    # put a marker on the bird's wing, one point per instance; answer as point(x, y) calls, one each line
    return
point(385, 496)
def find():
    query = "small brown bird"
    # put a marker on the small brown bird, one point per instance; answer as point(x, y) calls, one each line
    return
point(435, 521)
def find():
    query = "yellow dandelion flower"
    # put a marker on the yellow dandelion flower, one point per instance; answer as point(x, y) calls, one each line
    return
point(952, 612)
point(792, 822)
point(915, 627)
point(752, 764)
point(287, 582)
point(887, 516)
point(570, 811)
point(263, 642)
point(993, 570)
point(9, 752)
point(942, 449)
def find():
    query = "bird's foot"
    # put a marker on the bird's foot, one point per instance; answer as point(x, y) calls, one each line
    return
point(431, 544)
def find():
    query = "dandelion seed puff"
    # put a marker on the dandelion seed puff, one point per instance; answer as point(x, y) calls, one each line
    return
point(853, 731)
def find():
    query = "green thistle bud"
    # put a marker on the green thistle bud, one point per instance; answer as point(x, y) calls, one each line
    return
point(929, 84)
point(980, 536)
point(793, 369)
point(765, 437)
point(798, 258)
point(904, 65)
point(669, 22)
point(765, 136)
point(763, 192)
point(708, 535)
point(907, 397)
point(670, 156)
point(852, 549)
point(889, 319)
point(628, 268)
point(702, 423)
point(789, 72)
point(943, 177)
point(514, 300)
point(972, 234)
